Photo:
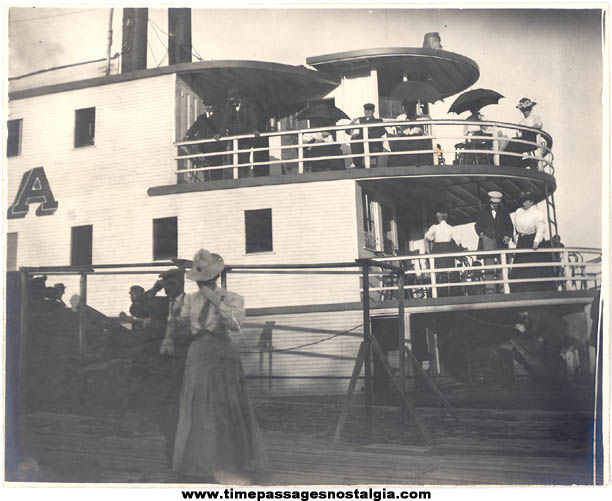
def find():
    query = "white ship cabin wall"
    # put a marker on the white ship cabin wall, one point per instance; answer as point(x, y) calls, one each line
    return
point(104, 185)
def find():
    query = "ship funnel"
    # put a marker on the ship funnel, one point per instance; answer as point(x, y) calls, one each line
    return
point(179, 36)
point(134, 49)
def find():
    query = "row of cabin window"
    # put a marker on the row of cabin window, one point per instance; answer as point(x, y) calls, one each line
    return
point(84, 131)
point(257, 226)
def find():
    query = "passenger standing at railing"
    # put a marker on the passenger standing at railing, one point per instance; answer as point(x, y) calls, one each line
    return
point(240, 117)
point(525, 106)
point(494, 229)
point(207, 126)
point(409, 114)
point(357, 148)
point(530, 226)
point(443, 240)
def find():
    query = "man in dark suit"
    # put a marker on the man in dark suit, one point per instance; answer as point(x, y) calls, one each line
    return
point(240, 117)
point(373, 133)
point(494, 228)
point(207, 126)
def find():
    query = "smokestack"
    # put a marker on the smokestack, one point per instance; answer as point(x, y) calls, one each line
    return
point(134, 50)
point(179, 36)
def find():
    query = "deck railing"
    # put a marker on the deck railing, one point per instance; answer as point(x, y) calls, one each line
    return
point(434, 142)
point(508, 270)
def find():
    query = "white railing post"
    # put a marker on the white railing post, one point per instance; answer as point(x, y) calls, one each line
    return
point(300, 153)
point(495, 147)
point(366, 148)
point(504, 271)
point(235, 157)
point(432, 274)
point(567, 272)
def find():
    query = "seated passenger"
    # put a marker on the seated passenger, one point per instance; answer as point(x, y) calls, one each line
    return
point(320, 145)
point(409, 114)
point(477, 143)
point(373, 133)
point(525, 105)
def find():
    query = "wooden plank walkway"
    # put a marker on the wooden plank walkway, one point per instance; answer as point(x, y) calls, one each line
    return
point(122, 449)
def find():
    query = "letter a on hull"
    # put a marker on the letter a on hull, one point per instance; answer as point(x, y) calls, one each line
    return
point(33, 189)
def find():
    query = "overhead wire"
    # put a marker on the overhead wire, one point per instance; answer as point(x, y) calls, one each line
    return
point(196, 53)
point(25, 20)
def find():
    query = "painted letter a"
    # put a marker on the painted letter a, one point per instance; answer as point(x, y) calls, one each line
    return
point(33, 189)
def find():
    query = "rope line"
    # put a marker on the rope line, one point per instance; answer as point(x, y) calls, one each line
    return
point(306, 344)
point(196, 54)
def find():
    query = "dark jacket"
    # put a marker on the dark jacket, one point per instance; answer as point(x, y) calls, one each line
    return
point(497, 228)
point(204, 127)
point(243, 121)
point(373, 132)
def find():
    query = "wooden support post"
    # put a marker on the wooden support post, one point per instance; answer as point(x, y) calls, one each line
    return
point(368, 349)
point(300, 153)
point(417, 365)
point(401, 341)
point(24, 313)
point(83, 314)
point(410, 406)
point(349, 394)
point(235, 157)
point(366, 148)
point(432, 274)
point(504, 271)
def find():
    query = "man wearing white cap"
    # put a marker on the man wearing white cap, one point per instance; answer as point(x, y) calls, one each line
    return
point(494, 228)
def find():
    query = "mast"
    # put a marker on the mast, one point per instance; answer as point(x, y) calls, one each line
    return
point(109, 41)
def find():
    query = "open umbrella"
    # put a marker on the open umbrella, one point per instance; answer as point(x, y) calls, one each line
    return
point(416, 91)
point(474, 100)
point(322, 111)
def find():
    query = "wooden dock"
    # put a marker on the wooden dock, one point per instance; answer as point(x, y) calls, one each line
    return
point(488, 448)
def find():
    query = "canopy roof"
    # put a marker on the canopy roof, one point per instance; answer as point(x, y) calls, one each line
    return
point(280, 88)
point(450, 73)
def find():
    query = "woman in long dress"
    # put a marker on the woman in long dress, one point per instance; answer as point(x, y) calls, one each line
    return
point(529, 226)
point(442, 242)
point(217, 435)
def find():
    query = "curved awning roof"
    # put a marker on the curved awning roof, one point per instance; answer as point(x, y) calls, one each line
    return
point(449, 72)
point(279, 89)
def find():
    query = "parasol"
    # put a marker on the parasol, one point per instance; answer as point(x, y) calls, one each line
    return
point(322, 111)
point(474, 100)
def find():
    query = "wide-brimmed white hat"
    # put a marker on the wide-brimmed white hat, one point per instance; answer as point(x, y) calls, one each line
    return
point(495, 196)
point(525, 103)
point(205, 266)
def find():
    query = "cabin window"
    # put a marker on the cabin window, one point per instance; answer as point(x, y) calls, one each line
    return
point(258, 230)
point(11, 251)
point(369, 221)
point(85, 127)
point(165, 238)
point(13, 138)
point(81, 245)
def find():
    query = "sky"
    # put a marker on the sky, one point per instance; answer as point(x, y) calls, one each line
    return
point(551, 56)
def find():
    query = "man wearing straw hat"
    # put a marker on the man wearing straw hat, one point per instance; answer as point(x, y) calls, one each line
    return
point(494, 228)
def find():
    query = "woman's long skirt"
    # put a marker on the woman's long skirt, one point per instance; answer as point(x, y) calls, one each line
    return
point(217, 430)
point(526, 242)
point(444, 262)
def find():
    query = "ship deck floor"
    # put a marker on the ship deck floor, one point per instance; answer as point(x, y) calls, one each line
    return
point(543, 446)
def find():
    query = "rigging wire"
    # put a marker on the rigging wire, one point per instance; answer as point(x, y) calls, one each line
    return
point(196, 53)
point(160, 41)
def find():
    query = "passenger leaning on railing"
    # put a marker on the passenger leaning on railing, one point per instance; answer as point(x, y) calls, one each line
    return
point(207, 126)
point(530, 226)
point(408, 145)
point(525, 105)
